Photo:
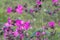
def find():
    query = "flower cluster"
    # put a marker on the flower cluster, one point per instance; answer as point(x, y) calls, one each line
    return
point(22, 27)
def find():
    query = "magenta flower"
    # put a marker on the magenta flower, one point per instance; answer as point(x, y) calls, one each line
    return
point(22, 36)
point(37, 33)
point(20, 33)
point(23, 25)
point(9, 10)
point(15, 33)
point(54, 1)
point(38, 2)
point(5, 34)
point(5, 31)
point(31, 10)
point(19, 23)
point(7, 24)
point(27, 25)
point(19, 9)
point(9, 20)
point(51, 24)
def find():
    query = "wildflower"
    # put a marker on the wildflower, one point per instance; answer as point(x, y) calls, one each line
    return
point(51, 24)
point(19, 22)
point(19, 9)
point(7, 32)
point(21, 36)
point(38, 34)
point(54, 1)
point(31, 10)
point(4, 29)
point(9, 10)
point(7, 24)
point(5, 35)
point(9, 20)
point(20, 33)
point(15, 33)
point(27, 25)
point(38, 2)
point(23, 25)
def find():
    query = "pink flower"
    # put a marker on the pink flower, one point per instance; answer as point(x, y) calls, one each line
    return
point(7, 24)
point(54, 1)
point(22, 36)
point(31, 10)
point(9, 20)
point(15, 33)
point(9, 10)
point(23, 25)
point(7, 30)
point(37, 33)
point(19, 23)
point(38, 2)
point(27, 25)
point(51, 24)
point(43, 33)
point(5, 34)
point(19, 9)
point(20, 33)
